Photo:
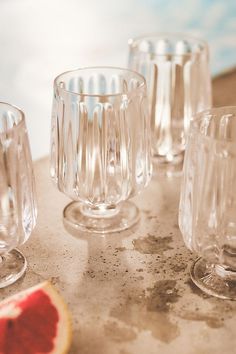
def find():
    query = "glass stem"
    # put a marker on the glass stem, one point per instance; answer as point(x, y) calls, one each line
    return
point(101, 211)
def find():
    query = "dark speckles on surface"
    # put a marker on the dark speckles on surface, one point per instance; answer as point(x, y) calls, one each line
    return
point(179, 267)
point(150, 217)
point(139, 270)
point(120, 249)
point(55, 280)
point(152, 244)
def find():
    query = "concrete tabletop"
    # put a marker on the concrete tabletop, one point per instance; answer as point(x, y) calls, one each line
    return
point(129, 293)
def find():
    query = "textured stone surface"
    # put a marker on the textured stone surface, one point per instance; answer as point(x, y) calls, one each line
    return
point(129, 293)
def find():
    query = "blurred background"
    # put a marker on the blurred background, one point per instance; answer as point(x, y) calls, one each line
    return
point(40, 39)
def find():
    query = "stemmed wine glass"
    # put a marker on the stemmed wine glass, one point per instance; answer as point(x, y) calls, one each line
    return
point(100, 146)
point(17, 193)
point(176, 67)
point(207, 212)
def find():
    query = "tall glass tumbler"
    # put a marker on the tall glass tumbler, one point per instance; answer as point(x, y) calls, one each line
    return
point(100, 146)
point(17, 193)
point(177, 72)
point(207, 212)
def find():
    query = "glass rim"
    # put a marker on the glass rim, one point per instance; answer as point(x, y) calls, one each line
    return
point(119, 94)
point(16, 125)
point(194, 124)
point(132, 42)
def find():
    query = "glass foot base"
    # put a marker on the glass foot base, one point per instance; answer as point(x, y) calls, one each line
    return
point(75, 216)
point(213, 279)
point(168, 159)
point(12, 266)
point(162, 166)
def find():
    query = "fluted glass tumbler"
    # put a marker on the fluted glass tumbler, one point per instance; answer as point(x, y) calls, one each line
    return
point(17, 193)
point(207, 212)
point(100, 146)
point(177, 72)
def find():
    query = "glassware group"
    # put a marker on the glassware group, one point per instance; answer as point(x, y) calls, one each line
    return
point(104, 131)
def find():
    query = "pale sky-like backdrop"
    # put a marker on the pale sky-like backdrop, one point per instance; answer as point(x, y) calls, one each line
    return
point(40, 39)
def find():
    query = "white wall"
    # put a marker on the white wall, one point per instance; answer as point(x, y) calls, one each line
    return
point(40, 39)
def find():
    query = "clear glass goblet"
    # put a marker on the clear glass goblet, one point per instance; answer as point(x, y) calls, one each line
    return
point(178, 79)
point(17, 193)
point(207, 211)
point(100, 146)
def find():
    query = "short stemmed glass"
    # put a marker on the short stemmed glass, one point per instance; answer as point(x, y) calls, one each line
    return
point(207, 212)
point(100, 146)
point(17, 193)
point(176, 67)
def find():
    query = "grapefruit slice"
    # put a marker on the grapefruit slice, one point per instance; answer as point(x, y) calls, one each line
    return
point(35, 321)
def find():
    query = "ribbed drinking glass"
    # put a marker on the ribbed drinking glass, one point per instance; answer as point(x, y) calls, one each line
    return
point(177, 72)
point(100, 146)
point(17, 193)
point(207, 213)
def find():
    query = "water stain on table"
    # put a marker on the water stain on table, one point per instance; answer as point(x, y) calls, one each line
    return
point(118, 333)
point(215, 316)
point(162, 295)
point(151, 312)
point(124, 352)
point(152, 244)
point(211, 320)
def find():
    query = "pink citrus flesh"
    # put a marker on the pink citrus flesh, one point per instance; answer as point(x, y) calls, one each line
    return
point(35, 321)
